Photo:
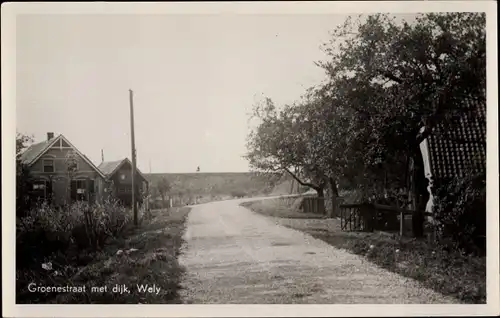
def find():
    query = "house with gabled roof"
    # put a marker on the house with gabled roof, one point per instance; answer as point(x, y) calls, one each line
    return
point(53, 182)
point(119, 173)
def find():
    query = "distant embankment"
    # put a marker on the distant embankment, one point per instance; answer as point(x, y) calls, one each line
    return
point(188, 188)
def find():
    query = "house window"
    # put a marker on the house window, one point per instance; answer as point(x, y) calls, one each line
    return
point(124, 190)
point(42, 189)
point(48, 165)
point(80, 186)
point(39, 186)
point(82, 190)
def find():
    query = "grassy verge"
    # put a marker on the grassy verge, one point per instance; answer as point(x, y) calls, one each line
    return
point(280, 208)
point(448, 272)
point(146, 256)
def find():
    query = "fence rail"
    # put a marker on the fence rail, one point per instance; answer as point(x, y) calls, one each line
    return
point(369, 217)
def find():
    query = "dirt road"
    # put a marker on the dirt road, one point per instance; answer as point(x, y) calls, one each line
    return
point(235, 256)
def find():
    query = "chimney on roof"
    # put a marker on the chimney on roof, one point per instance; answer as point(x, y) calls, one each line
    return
point(102, 155)
point(50, 135)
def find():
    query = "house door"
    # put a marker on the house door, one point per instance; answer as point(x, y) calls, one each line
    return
point(74, 186)
point(91, 190)
point(82, 190)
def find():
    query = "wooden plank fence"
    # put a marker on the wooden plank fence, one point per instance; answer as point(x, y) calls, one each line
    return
point(313, 204)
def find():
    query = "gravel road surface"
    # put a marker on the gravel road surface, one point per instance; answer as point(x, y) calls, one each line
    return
point(235, 256)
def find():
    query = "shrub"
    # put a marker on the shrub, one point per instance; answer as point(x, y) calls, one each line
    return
point(47, 230)
point(238, 194)
point(460, 208)
point(96, 223)
point(42, 232)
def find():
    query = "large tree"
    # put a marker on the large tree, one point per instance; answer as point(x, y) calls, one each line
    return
point(318, 140)
point(164, 187)
point(426, 69)
point(386, 79)
point(281, 143)
point(398, 77)
point(23, 184)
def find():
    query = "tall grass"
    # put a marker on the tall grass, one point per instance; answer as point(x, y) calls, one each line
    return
point(46, 230)
point(65, 238)
point(129, 255)
point(448, 271)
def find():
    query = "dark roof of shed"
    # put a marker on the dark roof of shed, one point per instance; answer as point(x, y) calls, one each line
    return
point(108, 168)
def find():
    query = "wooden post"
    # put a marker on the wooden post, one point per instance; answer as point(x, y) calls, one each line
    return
point(401, 223)
point(360, 218)
point(342, 221)
point(132, 136)
point(351, 218)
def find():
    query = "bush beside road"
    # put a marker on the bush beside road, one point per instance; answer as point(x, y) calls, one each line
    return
point(138, 265)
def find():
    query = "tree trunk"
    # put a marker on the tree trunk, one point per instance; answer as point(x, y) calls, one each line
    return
point(321, 200)
point(417, 181)
point(421, 194)
point(335, 195)
point(318, 188)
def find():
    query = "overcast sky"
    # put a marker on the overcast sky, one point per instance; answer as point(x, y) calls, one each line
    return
point(194, 79)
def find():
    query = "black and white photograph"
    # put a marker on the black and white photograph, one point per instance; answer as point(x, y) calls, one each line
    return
point(224, 157)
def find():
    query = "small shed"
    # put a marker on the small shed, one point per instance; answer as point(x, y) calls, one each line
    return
point(119, 175)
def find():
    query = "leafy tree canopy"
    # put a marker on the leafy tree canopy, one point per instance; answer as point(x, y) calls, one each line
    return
point(385, 80)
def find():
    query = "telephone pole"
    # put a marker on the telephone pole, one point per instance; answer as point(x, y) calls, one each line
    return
point(134, 168)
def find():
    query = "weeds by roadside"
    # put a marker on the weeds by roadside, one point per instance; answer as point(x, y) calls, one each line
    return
point(281, 208)
point(145, 256)
point(448, 272)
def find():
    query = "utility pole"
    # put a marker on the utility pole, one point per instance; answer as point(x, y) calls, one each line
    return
point(134, 168)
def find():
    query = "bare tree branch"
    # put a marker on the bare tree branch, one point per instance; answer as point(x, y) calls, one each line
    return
point(307, 184)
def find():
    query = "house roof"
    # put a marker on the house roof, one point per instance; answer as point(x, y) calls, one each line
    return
point(460, 146)
point(35, 151)
point(109, 168)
